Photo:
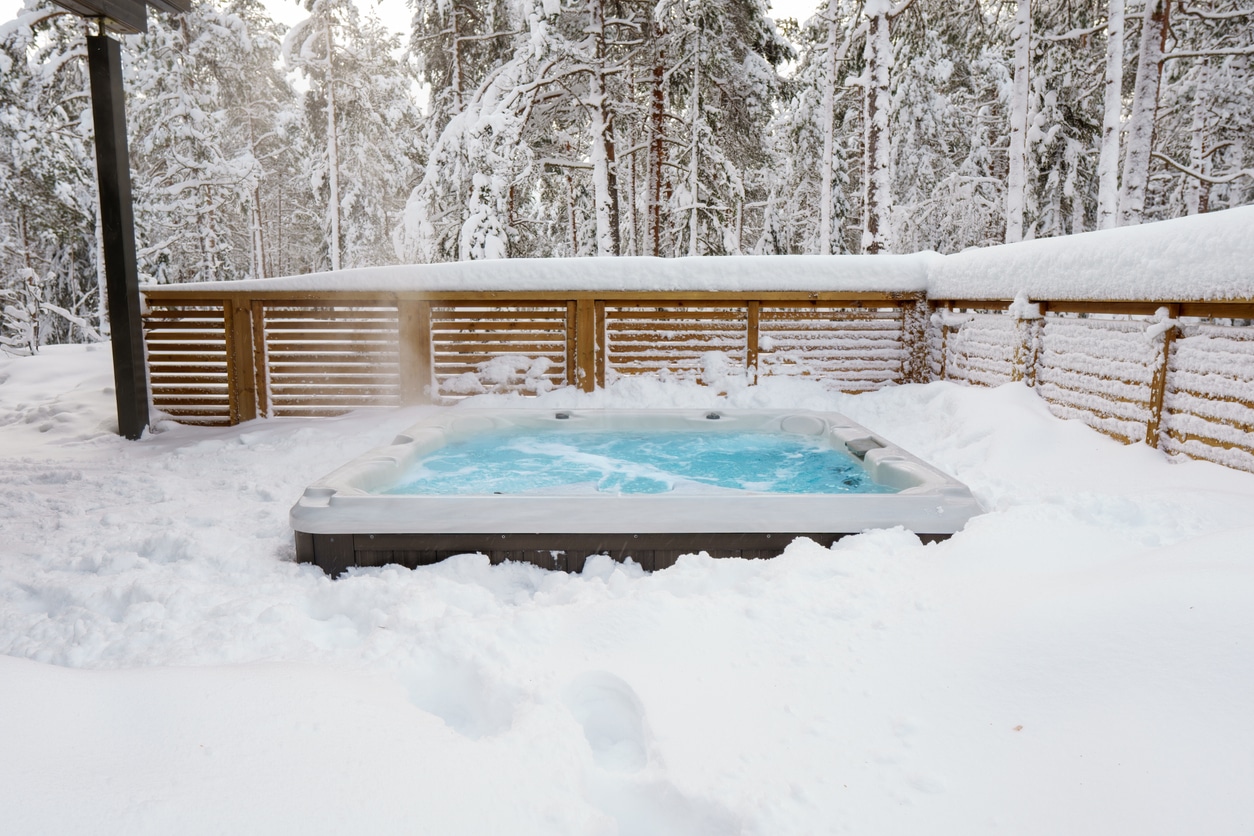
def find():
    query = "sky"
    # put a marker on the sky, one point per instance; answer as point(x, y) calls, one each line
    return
point(395, 14)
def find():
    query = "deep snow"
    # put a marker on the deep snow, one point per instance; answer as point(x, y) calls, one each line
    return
point(1079, 660)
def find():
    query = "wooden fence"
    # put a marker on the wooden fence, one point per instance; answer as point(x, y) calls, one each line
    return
point(1183, 382)
point(222, 358)
point(1176, 375)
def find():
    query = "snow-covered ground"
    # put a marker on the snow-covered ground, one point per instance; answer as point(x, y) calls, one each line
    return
point(1079, 660)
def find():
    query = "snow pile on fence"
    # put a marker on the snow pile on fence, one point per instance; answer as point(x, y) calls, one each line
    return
point(886, 273)
point(1202, 257)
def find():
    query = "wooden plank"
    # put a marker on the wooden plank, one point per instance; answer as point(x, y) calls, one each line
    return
point(332, 370)
point(557, 347)
point(332, 336)
point(197, 336)
point(504, 327)
point(618, 315)
point(572, 371)
point(330, 390)
point(281, 355)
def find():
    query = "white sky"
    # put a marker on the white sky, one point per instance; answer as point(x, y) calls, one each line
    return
point(395, 15)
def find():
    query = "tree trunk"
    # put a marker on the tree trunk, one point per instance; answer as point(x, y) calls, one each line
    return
point(604, 179)
point(829, 142)
point(1149, 70)
point(333, 156)
point(1108, 161)
point(1017, 179)
point(877, 165)
point(694, 183)
point(657, 153)
point(1197, 192)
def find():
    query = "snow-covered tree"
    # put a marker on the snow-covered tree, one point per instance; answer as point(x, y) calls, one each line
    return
point(361, 125)
point(49, 235)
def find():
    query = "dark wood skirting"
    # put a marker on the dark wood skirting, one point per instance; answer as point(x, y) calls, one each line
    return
point(335, 553)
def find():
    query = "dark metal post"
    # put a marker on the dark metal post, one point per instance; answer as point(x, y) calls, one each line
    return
point(113, 170)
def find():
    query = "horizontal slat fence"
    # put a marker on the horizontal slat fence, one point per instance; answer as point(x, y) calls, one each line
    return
point(309, 354)
point(1176, 375)
point(1184, 383)
point(188, 361)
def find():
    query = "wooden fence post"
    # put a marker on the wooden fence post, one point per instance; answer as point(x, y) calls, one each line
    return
point(1158, 383)
point(261, 360)
point(585, 344)
point(1029, 322)
point(914, 319)
point(753, 332)
point(415, 361)
point(241, 369)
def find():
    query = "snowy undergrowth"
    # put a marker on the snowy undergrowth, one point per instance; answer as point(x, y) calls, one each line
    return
point(1079, 659)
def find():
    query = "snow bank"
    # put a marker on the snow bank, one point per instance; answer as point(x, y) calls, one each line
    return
point(1207, 257)
point(1076, 660)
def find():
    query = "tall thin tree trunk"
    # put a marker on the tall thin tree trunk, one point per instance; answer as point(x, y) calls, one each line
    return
point(102, 290)
point(657, 153)
point(829, 141)
point(1149, 70)
point(604, 179)
point(1197, 192)
point(455, 80)
point(1108, 161)
point(1017, 179)
point(694, 182)
point(333, 155)
point(571, 221)
point(877, 156)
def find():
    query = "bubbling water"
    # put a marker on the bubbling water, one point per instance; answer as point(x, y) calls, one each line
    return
point(629, 462)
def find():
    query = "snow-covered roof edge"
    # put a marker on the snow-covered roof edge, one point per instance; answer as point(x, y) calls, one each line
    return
point(1204, 257)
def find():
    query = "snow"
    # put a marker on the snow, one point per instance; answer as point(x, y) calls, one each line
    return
point(1076, 660)
point(904, 273)
point(1208, 257)
point(1203, 257)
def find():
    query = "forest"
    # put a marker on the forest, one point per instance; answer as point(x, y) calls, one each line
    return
point(558, 128)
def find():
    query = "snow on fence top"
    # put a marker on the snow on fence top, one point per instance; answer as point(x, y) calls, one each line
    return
point(1204, 257)
point(887, 273)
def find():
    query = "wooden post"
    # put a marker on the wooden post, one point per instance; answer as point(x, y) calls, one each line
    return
point(241, 371)
point(572, 356)
point(1029, 321)
point(1158, 383)
point(416, 367)
point(752, 338)
point(261, 359)
point(113, 172)
point(585, 344)
point(599, 329)
point(914, 319)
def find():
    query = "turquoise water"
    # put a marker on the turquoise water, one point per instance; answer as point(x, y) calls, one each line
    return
point(651, 462)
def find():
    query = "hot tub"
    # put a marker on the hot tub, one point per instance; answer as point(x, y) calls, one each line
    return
point(448, 486)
